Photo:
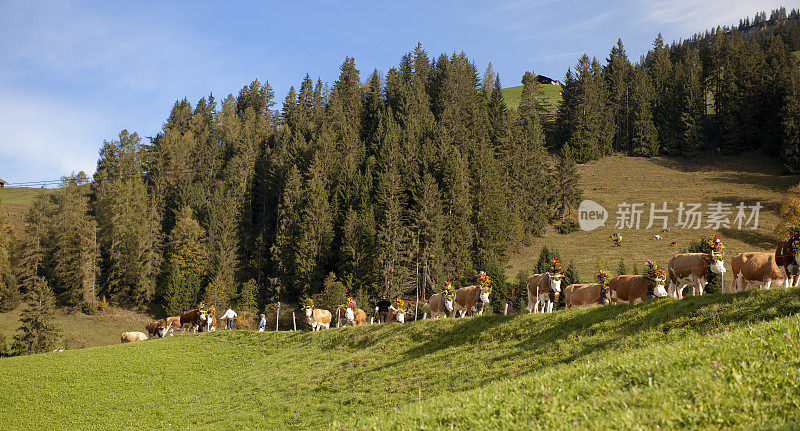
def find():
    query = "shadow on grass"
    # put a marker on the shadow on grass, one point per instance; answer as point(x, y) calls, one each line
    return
point(567, 336)
point(751, 237)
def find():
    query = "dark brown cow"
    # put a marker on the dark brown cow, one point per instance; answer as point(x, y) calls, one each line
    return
point(585, 295)
point(787, 257)
point(192, 319)
point(634, 288)
point(157, 329)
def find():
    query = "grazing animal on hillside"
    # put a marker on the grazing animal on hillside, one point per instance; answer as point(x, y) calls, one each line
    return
point(440, 305)
point(673, 243)
point(787, 257)
point(634, 288)
point(585, 295)
point(318, 319)
point(173, 322)
point(352, 315)
point(545, 289)
point(129, 337)
point(466, 298)
point(657, 236)
point(210, 324)
point(192, 319)
point(158, 329)
point(695, 269)
point(755, 268)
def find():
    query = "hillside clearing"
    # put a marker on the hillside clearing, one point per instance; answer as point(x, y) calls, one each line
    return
point(617, 179)
point(551, 96)
point(14, 202)
point(303, 380)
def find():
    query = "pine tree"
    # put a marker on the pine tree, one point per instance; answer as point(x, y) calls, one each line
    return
point(622, 269)
point(693, 115)
point(617, 75)
point(791, 121)
point(565, 186)
point(644, 132)
point(37, 332)
point(10, 295)
point(544, 260)
point(186, 262)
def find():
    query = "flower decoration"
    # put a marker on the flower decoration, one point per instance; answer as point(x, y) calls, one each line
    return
point(603, 277)
point(399, 304)
point(654, 272)
point(794, 233)
point(448, 290)
point(308, 303)
point(484, 282)
point(713, 245)
point(350, 303)
point(555, 266)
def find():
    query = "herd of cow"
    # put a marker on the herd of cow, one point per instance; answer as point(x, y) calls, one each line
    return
point(683, 270)
point(197, 320)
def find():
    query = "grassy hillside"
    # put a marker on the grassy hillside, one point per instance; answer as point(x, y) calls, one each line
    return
point(79, 330)
point(14, 202)
point(613, 180)
point(605, 367)
point(550, 97)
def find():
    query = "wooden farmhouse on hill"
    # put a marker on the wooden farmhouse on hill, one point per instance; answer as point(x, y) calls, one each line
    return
point(2, 183)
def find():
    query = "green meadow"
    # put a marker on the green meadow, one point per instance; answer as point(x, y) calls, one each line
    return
point(720, 361)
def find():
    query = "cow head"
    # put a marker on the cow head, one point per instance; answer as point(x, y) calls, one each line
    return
point(309, 311)
point(485, 292)
point(448, 302)
point(604, 300)
point(555, 282)
point(717, 264)
point(163, 329)
point(350, 315)
point(401, 316)
point(658, 288)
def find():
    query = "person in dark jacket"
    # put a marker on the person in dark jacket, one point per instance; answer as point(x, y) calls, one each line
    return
point(382, 308)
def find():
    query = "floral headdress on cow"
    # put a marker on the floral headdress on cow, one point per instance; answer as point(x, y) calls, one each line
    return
point(713, 246)
point(794, 235)
point(484, 282)
point(603, 277)
point(654, 272)
point(308, 303)
point(448, 290)
point(555, 269)
point(350, 303)
point(399, 305)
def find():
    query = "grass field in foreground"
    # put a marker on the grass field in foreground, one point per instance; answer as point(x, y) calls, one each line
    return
point(616, 179)
point(605, 367)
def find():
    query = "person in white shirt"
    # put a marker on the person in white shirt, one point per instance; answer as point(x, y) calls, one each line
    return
point(231, 316)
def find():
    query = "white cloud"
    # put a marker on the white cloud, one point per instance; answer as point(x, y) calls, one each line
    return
point(690, 16)
point(42, 137)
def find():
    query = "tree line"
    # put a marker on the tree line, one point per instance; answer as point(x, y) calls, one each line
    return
point(387, 184)
point(730, 90)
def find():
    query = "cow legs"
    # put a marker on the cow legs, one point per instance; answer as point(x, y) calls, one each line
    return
point(767, 284)
point(701, 285)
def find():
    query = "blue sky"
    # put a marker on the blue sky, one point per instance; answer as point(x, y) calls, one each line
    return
point(73, 74)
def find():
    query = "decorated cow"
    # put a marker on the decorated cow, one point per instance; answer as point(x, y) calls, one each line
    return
point(696, 269)
point(638, 288)
point(545, 288)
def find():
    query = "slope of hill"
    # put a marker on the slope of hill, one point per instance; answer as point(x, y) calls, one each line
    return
point(550, 97)
point(613, 180)
point(79, 330)
point(615, 366)
point(14, 201)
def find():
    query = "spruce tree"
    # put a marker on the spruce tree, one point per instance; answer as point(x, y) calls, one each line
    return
point(791, 121)
point(644, 132)
point(37, 333)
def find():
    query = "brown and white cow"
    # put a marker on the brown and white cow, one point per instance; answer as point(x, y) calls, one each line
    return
point(695, 269)
point(210, 324)
point(129, 337)
point(158, 329)
point(353, 316)
point(318, 319)
point(634, 288)
point(466, 298)
point(787, 257)
point(756, 268)
point(545, 289)
point(192, 319)
point(173, 322)
point(441, 305)
point(585, 295)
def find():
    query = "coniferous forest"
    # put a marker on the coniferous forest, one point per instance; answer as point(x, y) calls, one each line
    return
point(387, 183)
